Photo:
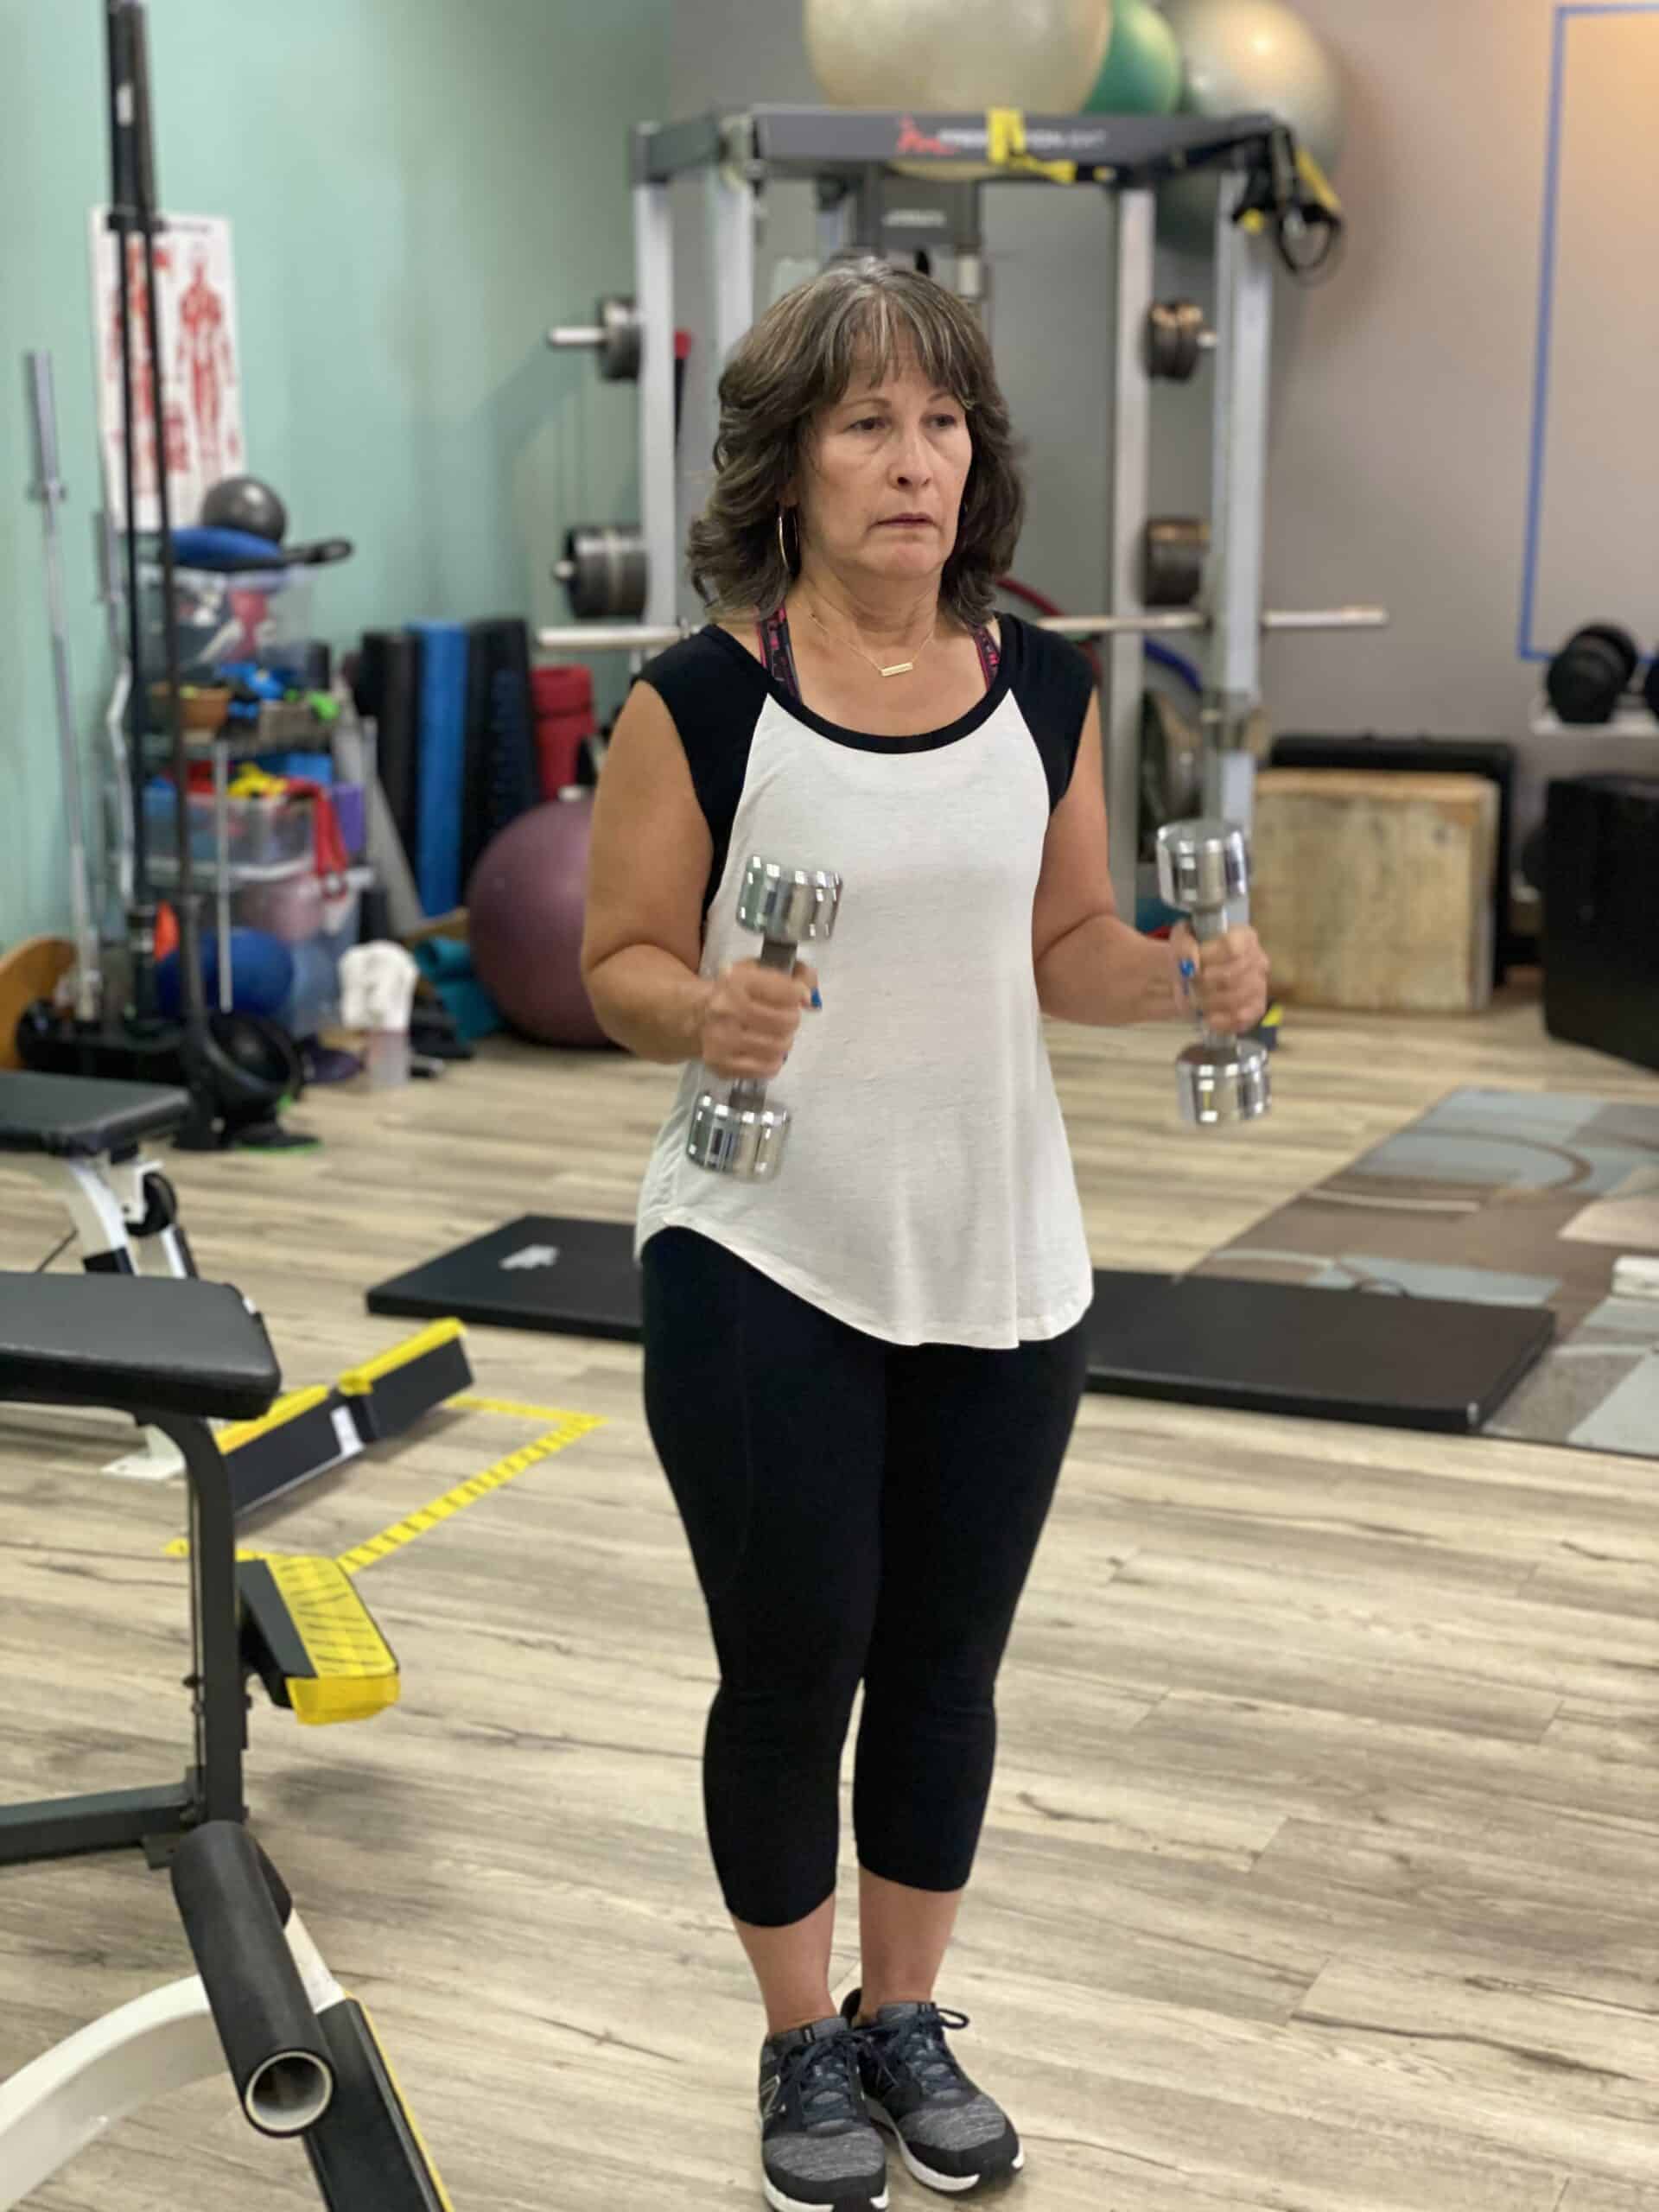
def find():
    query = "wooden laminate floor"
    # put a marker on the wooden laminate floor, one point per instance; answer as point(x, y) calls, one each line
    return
point(1322, 1868)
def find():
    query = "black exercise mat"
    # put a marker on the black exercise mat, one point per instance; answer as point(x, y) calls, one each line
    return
point(1395, 1363)
point(501, 778)
point(388, 688)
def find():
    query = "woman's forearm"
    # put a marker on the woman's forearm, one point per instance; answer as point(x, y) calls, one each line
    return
point(650, 1002)
point(1108, 975)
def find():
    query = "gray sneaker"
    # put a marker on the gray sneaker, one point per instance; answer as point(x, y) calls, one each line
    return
point(950, 2133)
point(819, 2151)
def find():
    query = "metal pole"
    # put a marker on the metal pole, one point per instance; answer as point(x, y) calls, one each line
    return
point(1238, 506)
point(48, 487)
point(1131, 439)
point(653, 292)
point(731, 249)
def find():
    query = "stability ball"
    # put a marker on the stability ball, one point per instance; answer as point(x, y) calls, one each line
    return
point(525, 910)
point(1244, 56)
point(1142, 73)
point(1041, 55)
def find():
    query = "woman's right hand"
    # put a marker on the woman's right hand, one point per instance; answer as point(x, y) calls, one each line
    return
point(751, 1017)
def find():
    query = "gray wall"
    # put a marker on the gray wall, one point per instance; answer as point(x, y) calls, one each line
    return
point(1404, 397)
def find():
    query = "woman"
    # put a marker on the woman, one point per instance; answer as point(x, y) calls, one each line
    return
point(861, 1378)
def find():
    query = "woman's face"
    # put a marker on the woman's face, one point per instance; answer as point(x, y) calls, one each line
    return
point(883, 479)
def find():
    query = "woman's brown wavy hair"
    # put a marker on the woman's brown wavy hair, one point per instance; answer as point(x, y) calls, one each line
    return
point(801, 356)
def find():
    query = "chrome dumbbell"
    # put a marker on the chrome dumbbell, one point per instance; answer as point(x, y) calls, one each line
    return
point(1204, 868)
point(733, 1130)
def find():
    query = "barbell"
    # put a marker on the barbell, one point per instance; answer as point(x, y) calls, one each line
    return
point(649, 637)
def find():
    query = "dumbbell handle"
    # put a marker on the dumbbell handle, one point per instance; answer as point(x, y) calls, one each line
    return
point(748, 1092)
point(1207, 923)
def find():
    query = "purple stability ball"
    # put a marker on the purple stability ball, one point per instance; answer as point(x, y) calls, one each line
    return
point(524, 912)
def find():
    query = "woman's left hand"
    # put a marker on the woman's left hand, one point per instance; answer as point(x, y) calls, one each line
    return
point(1229, 991)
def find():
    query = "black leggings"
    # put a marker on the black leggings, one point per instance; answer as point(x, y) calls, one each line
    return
point(855, 1509)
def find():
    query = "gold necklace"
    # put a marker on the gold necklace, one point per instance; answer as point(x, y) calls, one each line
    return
point(898, 668)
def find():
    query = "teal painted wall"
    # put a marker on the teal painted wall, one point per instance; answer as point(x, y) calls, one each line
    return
point(417, 189)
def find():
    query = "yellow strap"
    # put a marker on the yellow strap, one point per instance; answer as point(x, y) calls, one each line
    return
point(1317, 183)
point(1005, 148)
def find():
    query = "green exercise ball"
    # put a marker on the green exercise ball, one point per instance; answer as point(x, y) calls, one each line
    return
point(1142, 75)
point(1242, 57)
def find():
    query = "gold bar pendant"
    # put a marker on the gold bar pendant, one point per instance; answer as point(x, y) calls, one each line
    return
point(899, 668)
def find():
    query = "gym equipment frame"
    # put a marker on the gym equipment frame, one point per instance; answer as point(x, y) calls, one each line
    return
point(851, 154)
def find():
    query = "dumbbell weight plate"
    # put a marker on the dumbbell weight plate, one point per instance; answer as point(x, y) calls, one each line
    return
point(605, 571)
point(1171, 560)
point(1224, 1081)
point(1174, 339)
point(619, 342)
point(745, 1142)
point(1588, 677)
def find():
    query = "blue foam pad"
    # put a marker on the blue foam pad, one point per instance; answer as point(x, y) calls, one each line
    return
point(442, 764)
point(198, 547)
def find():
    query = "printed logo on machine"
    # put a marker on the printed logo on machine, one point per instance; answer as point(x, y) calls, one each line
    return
point(532, 1255)
point(911, 140)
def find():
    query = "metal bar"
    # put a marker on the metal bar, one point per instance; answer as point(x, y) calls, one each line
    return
point(576, 334)
point(103, 1820)
point(1158, 622)
point(1130, 449)
point(821, 139)
point(610, 637)
point(220, 1705)
point(653, 290)
point(48, 488)
point(222, 861)
point(1239, 468)
point(730, 207)
point(1328, 618)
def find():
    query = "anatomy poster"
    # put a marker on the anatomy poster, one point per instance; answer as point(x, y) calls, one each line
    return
point(202, 367)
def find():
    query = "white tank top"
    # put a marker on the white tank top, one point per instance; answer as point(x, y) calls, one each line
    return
point(927, 1194)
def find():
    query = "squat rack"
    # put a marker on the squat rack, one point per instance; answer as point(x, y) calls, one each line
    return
point(870, 169)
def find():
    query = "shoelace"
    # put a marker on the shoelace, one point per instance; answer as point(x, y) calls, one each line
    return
point(918, 2043)
point(826, 2082)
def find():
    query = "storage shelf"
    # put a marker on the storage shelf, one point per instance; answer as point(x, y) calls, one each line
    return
point(1631, 720)
point(239, 874)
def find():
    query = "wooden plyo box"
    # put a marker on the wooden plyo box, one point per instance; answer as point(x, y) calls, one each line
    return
point(1373, 891)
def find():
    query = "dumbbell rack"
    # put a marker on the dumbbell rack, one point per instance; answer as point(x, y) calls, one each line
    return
point(852, 155)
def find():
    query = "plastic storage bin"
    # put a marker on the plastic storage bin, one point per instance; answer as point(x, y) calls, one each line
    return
point(262, 833)
point(262, 614)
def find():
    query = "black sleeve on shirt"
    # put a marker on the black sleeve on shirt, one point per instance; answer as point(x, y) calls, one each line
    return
point(714, 691)
point(1052, 684)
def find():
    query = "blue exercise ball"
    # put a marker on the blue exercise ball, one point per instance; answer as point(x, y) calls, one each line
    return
point(262, 973)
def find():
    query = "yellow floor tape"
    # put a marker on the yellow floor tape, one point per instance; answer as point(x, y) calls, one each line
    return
point(573, 1427)
point(570, 1428)
point(515, 1406)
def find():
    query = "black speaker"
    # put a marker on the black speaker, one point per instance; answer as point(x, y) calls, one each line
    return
point(1601, 915)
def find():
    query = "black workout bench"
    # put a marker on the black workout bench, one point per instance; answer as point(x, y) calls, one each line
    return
point(84, 1139)
point(175, 1355)
point(172, 1354)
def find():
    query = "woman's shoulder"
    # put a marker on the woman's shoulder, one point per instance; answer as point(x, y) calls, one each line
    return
point(704, 660)
point(1044, 656)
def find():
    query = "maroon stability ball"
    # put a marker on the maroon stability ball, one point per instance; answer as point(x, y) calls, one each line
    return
point(525, 909)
